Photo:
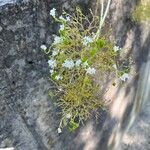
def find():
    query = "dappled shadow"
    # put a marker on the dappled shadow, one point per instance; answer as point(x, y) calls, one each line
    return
point(127, 95)
point(32, 115)
point(104, 132)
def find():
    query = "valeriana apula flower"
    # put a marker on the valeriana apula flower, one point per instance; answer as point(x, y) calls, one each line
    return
point(59, 130)
point(57, 40)
point(86, 40)
point(115, 66)
point(62, 27)
point(43, 47)
point(90, 70)
point(53, 12)
point(60, 89)
point(68, 18)
point(52, 63)
point(51, 71)
point(68, 64)
point(124, 77)
point(78, 62)
point(116, 48)
point(62, 18)
point(58, 77)
point(55, 52)
point(68, 116)
point(85, 64)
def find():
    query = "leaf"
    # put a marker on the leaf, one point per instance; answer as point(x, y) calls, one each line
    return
point(93, 51)
point(84, 59)
point(53, 76)
point(72, 125)
point(100, 43)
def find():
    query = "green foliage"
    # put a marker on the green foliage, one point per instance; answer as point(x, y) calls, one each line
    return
point(72, 125)
point(142, 11)
point(75, 58)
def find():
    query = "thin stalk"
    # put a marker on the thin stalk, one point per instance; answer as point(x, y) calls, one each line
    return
point(103, 17)
point(102, 8)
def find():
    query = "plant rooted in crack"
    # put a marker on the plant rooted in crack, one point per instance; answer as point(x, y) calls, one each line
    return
point(76, 56)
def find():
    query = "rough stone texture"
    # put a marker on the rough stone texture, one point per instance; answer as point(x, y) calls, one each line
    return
point(138, 136)
point(23, 71)
point(28, 119)
point(135, 37)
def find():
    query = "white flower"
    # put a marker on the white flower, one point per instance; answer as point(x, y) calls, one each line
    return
point(68, 116)
point(57, 40)
point(90, 70)
point(68, 64)
point(61, 52)
point(85, 64)
point(58, 77)
point(51, 71)
point(52, 63)
point(43, 47)
point(52, 12)
point(10, 148)
point(124, 77)
point(116, 48)
point(62, 18)
point(60, 89)
point(78, 62)
point(86, 40)
point(59, 130)
point(68, 18)
point(62, 27)
point(115, 66)
point(55, 52)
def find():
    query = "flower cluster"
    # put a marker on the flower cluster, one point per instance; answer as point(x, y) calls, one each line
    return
point(58, 77)
point(55, 52)
point(87, 40)
point(63, 19)
point(78, 62)
point(69, 64)
point(124, 77)
point(53, 12)
point(43, 47)
point(116, 48)
point(57, 40)
point(52, 63)
point(90, 70)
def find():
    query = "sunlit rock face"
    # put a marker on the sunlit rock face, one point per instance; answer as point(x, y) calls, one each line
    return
point(4, 2)
point(133, 102)
point(28, 119)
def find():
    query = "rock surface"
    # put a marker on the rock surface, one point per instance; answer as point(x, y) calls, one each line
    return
point(23, 78)
point(28, 119)
point(4, 2)
point(134, 36)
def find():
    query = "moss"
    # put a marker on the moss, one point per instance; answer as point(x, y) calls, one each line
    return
point(142, 11)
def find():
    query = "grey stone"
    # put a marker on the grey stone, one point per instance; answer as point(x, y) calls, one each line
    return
point(1, 28)
point(4, 2)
